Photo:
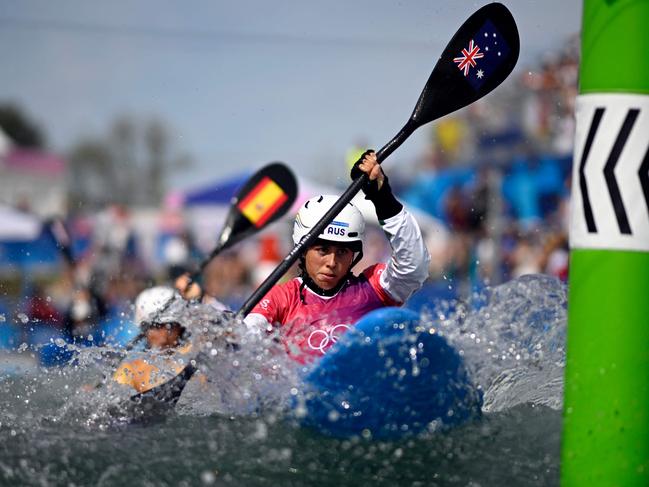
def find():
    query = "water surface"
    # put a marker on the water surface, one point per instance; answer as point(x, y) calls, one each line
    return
point(53, 431)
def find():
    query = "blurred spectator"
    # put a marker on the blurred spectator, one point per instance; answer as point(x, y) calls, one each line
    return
point(180, 254)
point(39, 307)
point(479, 201)
point(355, 152)
point(521, 191)
point(83, 318)
point(526, 257)
point(555, 256)
point(227, 279)
point(114, 244)
point(268, 258)
point(457, 210)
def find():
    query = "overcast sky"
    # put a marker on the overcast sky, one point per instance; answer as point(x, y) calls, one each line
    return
point(245, 82)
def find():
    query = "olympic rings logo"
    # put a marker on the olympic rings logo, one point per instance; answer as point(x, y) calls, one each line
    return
point(320, 340)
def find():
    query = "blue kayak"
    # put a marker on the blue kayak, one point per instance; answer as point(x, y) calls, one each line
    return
point(389, 376)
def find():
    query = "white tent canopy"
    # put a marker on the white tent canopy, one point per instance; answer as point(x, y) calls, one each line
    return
point(18, 226)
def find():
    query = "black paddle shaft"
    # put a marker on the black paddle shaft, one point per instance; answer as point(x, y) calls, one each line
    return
point(328, 217)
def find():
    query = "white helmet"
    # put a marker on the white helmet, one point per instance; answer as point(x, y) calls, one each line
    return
point(156, 305)
point(348, 226)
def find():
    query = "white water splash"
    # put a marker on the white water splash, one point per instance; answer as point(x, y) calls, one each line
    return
point(514, 342)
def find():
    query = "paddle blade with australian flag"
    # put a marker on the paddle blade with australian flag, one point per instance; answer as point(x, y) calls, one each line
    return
point(265, 197)
point(479, 57)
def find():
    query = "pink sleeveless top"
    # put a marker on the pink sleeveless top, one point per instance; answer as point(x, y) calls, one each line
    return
point(307, 329)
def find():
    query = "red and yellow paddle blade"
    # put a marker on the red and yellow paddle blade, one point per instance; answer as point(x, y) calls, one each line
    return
point(262, 202)
point(265, 197)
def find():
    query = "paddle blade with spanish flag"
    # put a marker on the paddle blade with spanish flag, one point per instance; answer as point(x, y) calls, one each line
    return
point(265, 197)
point(262, 202)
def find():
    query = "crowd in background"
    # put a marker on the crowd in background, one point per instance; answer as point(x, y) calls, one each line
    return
point(497, 177)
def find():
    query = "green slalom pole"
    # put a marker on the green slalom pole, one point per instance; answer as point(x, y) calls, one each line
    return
point(605, 439)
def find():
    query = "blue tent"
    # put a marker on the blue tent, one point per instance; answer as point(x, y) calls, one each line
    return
point(219, 193)
point(38, 253)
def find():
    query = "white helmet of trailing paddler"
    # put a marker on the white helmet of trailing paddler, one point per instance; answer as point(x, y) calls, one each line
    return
point(156, 305)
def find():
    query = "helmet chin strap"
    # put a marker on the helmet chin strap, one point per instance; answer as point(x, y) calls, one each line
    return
point(310, 283)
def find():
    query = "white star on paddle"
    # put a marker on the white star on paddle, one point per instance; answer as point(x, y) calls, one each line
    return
point(479, 73)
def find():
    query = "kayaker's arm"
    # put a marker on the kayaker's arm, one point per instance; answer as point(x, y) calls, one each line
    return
point(408, 266)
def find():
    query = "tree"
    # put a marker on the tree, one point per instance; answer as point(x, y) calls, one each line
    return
point(90, 175)
point(19, 127)
point(128, 166)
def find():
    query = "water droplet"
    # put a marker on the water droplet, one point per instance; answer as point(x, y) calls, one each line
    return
point(208, 478)
point(261, 431)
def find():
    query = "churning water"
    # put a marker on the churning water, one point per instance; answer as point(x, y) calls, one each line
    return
point(231, 429)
